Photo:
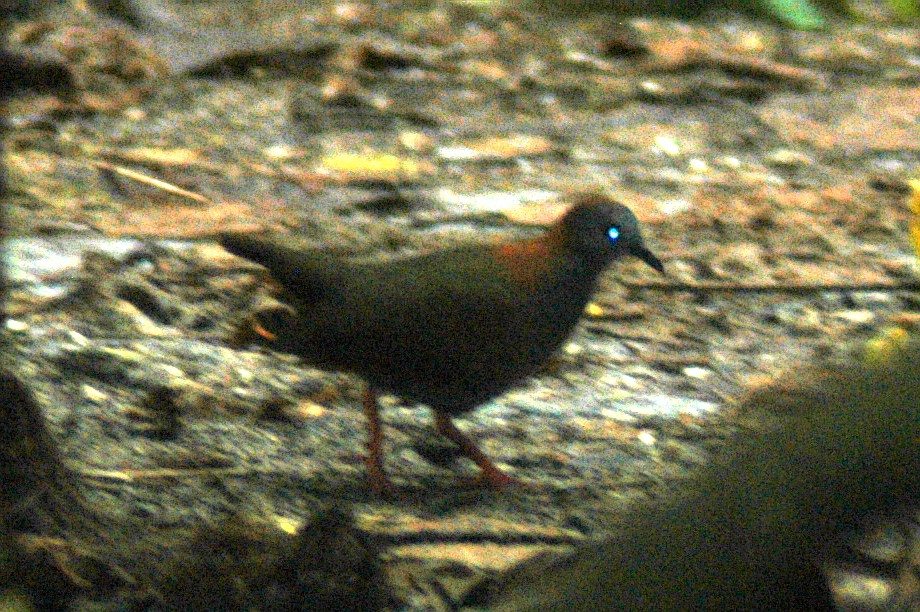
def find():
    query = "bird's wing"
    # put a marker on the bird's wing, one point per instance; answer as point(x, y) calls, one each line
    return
point(410, 321)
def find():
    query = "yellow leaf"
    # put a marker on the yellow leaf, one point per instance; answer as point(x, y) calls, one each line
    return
point(915, 214)
point(887, 344)
point(351, 166)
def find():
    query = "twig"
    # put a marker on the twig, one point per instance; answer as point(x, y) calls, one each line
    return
point(151, 181)
point(136, 475)
point(804, 288)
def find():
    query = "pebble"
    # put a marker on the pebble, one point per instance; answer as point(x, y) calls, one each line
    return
point(871, 299)
point(787, 158)
point(667, 145)
point(861, 317)
point(93, 394)
point(417, 142)
point(697, 372)
point(871, 592)
point(498, 148)
point(15, 325)
point(573, 349)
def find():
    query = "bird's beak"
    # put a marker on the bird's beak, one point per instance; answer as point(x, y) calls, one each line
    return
point(648, 257)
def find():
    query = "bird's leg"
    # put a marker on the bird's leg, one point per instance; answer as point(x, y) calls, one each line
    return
point(374, 459)
point(491, 475)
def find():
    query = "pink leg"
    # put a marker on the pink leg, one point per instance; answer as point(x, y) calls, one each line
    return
point(374, 460)
point(491, 475)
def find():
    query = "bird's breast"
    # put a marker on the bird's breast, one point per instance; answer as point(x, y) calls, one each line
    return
point(527, 263)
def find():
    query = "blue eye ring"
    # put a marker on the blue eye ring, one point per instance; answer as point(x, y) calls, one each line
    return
point(613, 233)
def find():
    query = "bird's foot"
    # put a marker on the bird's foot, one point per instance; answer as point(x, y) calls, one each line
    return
point(378, 479)
point(494, 478)
point(490, 476)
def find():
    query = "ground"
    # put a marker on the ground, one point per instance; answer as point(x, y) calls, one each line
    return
point(768, 167)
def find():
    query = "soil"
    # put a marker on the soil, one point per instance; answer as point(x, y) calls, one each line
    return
point(768, 167)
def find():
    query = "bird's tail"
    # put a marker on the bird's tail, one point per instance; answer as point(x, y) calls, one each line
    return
point(304, 274)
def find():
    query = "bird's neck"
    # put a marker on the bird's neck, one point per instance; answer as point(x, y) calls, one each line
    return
point(546, 260)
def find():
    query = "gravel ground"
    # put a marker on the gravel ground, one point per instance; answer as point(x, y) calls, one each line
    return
point(769, 169)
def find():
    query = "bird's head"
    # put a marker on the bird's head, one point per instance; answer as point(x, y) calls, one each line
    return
point(600, 231)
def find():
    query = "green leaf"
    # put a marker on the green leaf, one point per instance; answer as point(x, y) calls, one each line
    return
point(905, 10)
point(799, 14)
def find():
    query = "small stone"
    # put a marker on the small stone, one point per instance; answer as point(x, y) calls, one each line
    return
point(573, 349)
point(667, 145)
point(279, 152)
point(416, 142)
point(869, 592)
point(78, 338)
point(593, 309)
point(286, 524)
point(307, 409)
point(787, 158)
point(860, 317)
point(93, 394)
point(152, 302)
point(386, 400)
point(871, 300)
point(135, 114)
point(14, 325)
point(651, 87)
point(499, 148)
point(697, 372)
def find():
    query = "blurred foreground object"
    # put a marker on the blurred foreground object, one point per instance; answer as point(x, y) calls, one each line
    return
point(754, 532)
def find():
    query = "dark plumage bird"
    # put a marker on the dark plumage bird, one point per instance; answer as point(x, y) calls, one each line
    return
point(451, 328)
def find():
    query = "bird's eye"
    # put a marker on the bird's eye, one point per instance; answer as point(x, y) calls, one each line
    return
point(613, 233)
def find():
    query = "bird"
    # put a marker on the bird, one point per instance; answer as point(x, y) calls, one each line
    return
point(450, 328)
